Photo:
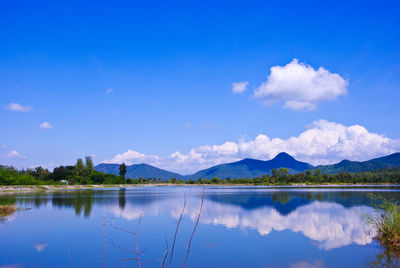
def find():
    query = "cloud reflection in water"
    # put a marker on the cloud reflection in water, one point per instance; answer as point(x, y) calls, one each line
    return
point(330, 224)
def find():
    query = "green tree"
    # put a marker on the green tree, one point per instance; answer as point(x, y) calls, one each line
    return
point(274, 173)
point(122, 170)
point(89, 165)
point(79, 170)
point(282, 172)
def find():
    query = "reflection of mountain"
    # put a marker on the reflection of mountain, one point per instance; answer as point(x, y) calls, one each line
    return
point(281, 201)
point(287, 201)
point(331, 225)
point(331, 217)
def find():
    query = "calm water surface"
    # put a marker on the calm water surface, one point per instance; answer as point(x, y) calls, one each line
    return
point(239, 227)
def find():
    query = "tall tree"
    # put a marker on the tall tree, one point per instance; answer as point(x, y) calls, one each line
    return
point(79, 167)
point(89, 165)
point(122, 170)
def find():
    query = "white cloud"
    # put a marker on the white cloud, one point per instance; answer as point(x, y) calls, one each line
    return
point(300, 86)
point(16, 107)
point(109, 90)
point(239, 87)
point(14, 154)
point(187, 125)
point(323, 142)
point(4, 146)
point(46, 125)
point(132, 157)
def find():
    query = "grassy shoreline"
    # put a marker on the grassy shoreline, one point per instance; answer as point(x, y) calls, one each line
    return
point(6, 210)
point(38, 188)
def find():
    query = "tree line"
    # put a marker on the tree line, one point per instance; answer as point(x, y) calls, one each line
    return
point(83, 173)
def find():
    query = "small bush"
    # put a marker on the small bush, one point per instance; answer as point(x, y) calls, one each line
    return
point(387, 224)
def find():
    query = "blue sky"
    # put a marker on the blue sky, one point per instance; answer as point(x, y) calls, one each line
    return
point(149, 79)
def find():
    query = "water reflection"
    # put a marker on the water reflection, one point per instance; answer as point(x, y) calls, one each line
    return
point(331, 225)
point(331, 218)
point(312, 227)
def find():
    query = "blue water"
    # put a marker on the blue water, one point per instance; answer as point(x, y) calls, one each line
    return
point(238, 227)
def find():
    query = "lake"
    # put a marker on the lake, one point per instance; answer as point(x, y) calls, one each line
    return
point(238, 227)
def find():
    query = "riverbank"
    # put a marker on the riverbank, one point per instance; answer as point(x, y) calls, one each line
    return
point(45, 188)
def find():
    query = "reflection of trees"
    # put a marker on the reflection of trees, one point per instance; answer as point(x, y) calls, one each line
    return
point(79, 200)
point(281, 197)
point(121, 198)
point(8, 200)
point(28, 200)
point(385, 258)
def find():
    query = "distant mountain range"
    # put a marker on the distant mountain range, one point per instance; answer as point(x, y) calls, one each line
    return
point(138, 170)
point(389, 161)
point(249, 168)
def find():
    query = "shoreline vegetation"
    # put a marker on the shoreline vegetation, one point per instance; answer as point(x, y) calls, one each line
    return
point(83, 175)
point(386, 222)
point(6, 210)
point(9, 189)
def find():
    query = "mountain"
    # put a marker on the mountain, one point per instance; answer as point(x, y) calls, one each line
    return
point(389, 161)
point(139, 170)
point(250, 168)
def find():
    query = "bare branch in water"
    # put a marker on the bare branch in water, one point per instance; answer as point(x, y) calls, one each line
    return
point(104, 246)
point(176, 231)
point(194, 229)
point(138, 253)
point(136, 238)
point(120, 228)
point(70, 258)
point(121, 248)
point(165, 254)
point(127, 259)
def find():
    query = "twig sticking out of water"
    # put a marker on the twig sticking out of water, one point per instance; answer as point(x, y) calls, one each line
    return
point(138, 253)
point(70, 258)
point(165, 254)
point(121, 248)
point(127, 259)
point(176, 232)
point(136, 238)
point(194, 229)
point(104, 246)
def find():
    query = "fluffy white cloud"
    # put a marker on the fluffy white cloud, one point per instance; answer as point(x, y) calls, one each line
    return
point(14, 154)
point(46, 125)
point(300, 86)
point(16, 107)
point(323, 142)
point(239, 87)
point(109, 90)
point(4, 146)
point(130, 157)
